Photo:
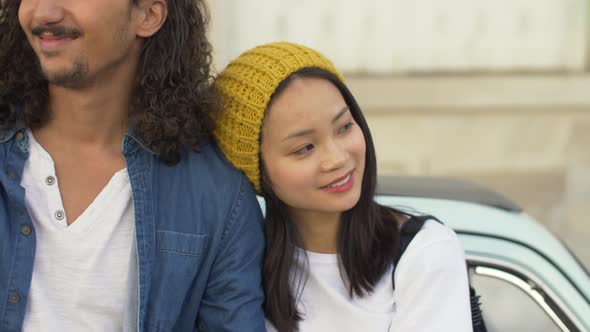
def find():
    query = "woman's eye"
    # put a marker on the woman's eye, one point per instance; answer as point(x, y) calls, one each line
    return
point(304, 150)
point(346, 127)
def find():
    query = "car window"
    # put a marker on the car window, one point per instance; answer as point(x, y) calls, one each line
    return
point(508, 308)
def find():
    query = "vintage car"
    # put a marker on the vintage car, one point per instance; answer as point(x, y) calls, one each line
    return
point(527, 279)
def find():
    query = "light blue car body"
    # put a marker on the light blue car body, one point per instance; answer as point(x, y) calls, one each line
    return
point(512, 240)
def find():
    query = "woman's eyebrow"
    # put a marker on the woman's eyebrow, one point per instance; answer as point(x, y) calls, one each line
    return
point(341, 113)
point(299, 134)
point(304, 132)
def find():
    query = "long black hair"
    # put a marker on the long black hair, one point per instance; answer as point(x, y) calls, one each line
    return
point(368, 237)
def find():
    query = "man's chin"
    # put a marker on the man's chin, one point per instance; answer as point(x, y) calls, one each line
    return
point(66, 78)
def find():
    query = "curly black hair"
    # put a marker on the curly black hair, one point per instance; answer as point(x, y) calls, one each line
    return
point(173, 95)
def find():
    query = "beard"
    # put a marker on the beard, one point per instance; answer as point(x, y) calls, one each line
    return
point(71, 77)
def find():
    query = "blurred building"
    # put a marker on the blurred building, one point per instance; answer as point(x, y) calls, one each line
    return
point(495, 91)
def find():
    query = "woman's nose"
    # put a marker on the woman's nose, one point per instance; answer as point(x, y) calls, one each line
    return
point(335, 157)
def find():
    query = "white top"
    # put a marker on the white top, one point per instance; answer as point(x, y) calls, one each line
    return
point(83, 273)
point(432, 291)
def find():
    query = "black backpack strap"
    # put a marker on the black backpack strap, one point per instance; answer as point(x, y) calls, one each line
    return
point(476, 316)
point(408, 230)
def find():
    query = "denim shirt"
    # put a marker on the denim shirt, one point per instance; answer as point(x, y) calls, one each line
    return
point(199, 241)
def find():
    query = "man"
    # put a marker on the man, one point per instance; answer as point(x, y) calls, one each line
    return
point(116, 214)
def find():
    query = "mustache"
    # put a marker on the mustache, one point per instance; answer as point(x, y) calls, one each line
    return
point(57, 31)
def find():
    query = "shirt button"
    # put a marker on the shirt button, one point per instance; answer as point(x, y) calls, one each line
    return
point(11, 175)
point(19, 136)
point(25, 230)
point(13, 298)
point(59, 215)
point(50, 180)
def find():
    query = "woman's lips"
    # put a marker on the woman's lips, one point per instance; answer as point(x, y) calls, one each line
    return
point(341, 184)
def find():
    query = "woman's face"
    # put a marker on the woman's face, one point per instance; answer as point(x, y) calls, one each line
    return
point(312, 148)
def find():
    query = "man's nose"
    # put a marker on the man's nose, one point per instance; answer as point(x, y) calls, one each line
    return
point(46, 12)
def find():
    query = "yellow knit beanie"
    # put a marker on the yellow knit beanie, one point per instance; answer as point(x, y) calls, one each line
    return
point(246, 86)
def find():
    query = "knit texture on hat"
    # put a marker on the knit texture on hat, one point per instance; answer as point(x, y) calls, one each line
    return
point(246, 86)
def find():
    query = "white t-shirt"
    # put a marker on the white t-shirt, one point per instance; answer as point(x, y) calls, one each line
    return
point(83, 274)
point(431, 292)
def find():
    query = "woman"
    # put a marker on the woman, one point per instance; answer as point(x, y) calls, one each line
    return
point(296, 131)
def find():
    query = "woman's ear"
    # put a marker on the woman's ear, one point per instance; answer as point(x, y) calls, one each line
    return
point(152, 15)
